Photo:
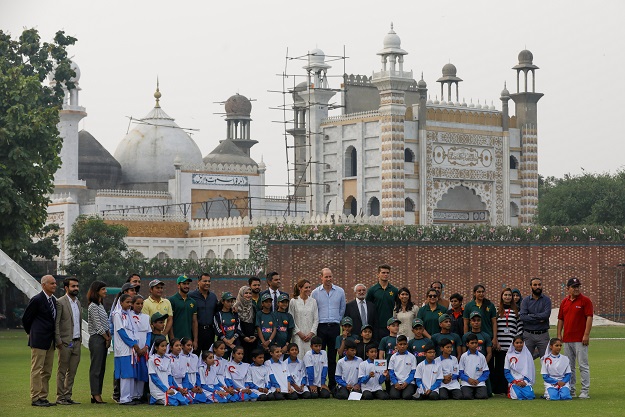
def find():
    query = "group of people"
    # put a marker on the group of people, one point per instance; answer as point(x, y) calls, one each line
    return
point(195, 347)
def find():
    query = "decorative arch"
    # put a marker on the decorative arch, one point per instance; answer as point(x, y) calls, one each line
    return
point(350, 206)
point(514, 209)
point(162, 255)
point(210, 254)
point(373, 207)
point(409, 205)
point(461, 198)
point(193, 255)
point(409, 155)
point(351, 162)
point(514, 163)
point(229, 254)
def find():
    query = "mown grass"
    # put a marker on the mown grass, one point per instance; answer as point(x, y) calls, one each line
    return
point(607, 375)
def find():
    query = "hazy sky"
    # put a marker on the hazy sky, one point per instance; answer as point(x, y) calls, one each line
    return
point(205, 52)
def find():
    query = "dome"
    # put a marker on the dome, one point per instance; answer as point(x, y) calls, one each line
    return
point(303, 86)
point(449, 70)
point(238, 105)
point(317, 56)
point(526, 57)
point(96, 165)
point(76, 69)
point(505, 92)
point(392, 40)
point(227, 152)
point(148, 151)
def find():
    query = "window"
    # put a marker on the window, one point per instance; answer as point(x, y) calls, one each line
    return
point(192, 255)
point(408, 155)
point(374, 206)
point(162, 255)
point(350, 206)
point(514, 164)
point(210, 254)
point(228, 254)
point(409, 205)
point(351, 162)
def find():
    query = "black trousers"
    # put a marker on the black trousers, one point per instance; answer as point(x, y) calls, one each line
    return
point(404, 394)
point(205, 337)
point(378, 395)
point(328, 332)
point(474, 393)
point(445, 394)
point(321, 393)
point(97, 367)
point(498, 380)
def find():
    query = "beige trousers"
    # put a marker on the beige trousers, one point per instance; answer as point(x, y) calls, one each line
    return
point(40, 370)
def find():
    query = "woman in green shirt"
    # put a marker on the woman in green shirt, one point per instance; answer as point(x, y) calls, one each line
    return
point(487, 310)
point(430, 313)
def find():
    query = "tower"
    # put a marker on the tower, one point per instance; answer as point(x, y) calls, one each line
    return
point(299, 139)
point(392, 82)
point(526, 104)
point(449, 79)
point(315, 98)
point(238, 109)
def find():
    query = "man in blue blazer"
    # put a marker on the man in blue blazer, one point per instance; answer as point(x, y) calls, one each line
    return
point(39, 322)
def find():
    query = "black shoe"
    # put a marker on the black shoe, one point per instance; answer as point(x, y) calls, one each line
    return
point(128, 403)
point(64, 402)
point(49, 403)
point(72, 402)
point(40, 403)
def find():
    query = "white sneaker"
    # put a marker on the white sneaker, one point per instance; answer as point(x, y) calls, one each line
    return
point(583, 396)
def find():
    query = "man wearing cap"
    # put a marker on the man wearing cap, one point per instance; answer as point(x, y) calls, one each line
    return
point(535, 313)
point(184, 311)
point(331, 307)
point(574, 325)
point(362, 311)
point(383, 295)
point(206, 303)
point(155, 302)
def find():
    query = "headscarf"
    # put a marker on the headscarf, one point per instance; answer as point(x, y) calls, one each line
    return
point(517, 291)
point(244, 308)
point(521, 362)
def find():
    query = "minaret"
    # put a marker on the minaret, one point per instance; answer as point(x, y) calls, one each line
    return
point(449, 79)
point(315, 98)
point(69, 117)
point(238, 110)
point(526, 104)
point(392, 82)
point(299, 140)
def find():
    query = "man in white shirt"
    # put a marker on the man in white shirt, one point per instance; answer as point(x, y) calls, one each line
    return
point(68, 340)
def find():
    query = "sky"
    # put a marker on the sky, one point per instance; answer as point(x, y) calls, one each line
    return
point(204, 52)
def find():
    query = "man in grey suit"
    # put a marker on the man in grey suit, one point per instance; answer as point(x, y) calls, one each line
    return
point(67, 340)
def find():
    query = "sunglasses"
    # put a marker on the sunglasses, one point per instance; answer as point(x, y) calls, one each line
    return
point(432, 296)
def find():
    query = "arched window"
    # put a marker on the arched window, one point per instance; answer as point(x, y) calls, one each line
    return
point(350, 206)
point(409, 205)
point(514, 164)
point(162, 255)
point(351, 162)
point(228, 254)
point(192, 255)
point(408, 155)
point(210, 254)
point(514, 209)
point(374, 206)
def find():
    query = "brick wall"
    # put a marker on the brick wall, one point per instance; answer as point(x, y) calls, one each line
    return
point(459, 266)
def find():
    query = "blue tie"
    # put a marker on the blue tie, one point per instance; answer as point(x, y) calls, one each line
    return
point(51, 302)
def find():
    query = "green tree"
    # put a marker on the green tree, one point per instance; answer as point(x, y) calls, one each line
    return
point(582, 200)
point(98, 252)
point(29, 138)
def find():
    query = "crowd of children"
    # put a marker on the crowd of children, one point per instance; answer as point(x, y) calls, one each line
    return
point(443, 366)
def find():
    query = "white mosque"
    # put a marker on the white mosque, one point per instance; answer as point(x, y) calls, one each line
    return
point(392, 156)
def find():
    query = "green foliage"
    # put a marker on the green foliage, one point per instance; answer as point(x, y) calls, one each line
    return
point(43, 246)
point(260, 236)
point(194, 267)
point(29, 138)
point(586, 199)
point(98, 252)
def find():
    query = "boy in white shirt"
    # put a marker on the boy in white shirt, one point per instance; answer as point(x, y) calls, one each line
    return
point(428, 376)
point(281, 373)
point(316, 363)
point(401, 368)
point(346, 374)
point(370, 378)
point(297, 372)
point(473, 371)
point(450, 388)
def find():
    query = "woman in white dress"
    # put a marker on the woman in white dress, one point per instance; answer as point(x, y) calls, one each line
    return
point(405, 311)
point(303, 308)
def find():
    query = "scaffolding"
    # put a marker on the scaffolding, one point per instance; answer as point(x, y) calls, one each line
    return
point(298, 130)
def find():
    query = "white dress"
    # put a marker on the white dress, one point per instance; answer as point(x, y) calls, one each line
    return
point(406, 318)
point(306, 318)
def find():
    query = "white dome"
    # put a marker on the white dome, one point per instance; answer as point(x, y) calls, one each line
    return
point(317, 56)
point(148, 152)
point(391, 40)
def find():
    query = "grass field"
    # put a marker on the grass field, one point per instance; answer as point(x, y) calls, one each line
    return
point(607, 391)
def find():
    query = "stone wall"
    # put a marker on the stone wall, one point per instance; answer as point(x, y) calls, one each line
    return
point(459, 266)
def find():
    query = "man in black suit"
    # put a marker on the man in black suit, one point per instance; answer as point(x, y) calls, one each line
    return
point(39, 322)
point(361, 311)
point(274, 282)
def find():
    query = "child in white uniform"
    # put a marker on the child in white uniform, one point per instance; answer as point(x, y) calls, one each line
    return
point(450, 387)
point(192, 383)
point(237, 370)
point(519, 370)
point(126, 348)
point(208, 379)
point(371, 378)
point(401, 368)
point(163, 387)
point(316, 363)
point(346, 374)
point(259, 376)
point(556, 372)
point(297, 372)
point(428, 376)
point(473, 371)
point(281, 388)
point(143, 334)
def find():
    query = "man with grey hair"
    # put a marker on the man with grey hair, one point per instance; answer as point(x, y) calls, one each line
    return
point(39, 322)
point(361, 311)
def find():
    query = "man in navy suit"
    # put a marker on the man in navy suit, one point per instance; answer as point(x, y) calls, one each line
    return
point(361, 311)
point(39, 322)
point(274, 282)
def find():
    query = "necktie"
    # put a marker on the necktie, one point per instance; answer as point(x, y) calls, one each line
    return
point(363, 313)
point(51, 302)
point(275, 301)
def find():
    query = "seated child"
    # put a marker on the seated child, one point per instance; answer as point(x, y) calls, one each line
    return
point(163, 387)
point(416, 346)
point(297, 372)
point(316, 363)
point(428, 376)
point(386, 349)
point(192, 382)
point(366, 340)
point(211, 388)
point(258, 378)
point(473, 371)
point(346, 375)
point(237, 372)
point(370, 378)
point(285, 324)
point(346, 334)
point(401, 368)
point(280, 384)
point(450, 387)
point(519, 371)
point(556, 372)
